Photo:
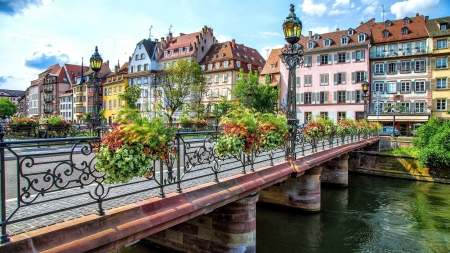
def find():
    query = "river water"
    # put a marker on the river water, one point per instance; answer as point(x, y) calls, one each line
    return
point(374, 214)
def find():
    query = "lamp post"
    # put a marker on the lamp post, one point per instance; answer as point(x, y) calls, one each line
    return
point(96, 64)
point(249, 96)
point(292, 57)
point(365, 88)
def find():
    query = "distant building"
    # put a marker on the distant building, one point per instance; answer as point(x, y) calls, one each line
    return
point(13, 95)
point(115, 84)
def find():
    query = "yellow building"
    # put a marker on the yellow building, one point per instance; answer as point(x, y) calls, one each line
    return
point(439, 31)
point(115, 84)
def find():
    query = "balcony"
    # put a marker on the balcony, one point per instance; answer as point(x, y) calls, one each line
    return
point(48, 89)
point(398, 53)
point(48, 110)
point(48, 99)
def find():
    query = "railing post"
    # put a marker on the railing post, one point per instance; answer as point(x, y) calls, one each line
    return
point(177, 139)
point(4, 236)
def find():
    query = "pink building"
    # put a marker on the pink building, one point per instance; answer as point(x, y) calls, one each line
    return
point(335, 65)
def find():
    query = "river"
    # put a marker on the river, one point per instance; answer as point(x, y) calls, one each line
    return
point(374, 214)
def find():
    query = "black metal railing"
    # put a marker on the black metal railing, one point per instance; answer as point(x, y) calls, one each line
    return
point(56, 177)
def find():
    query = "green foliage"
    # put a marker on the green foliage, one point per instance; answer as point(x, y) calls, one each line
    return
point(264, 97)
point(130, 96)
point(402, 151)
point(7, 108)
point(88, 116)
point(426, 131)
point(53, 120)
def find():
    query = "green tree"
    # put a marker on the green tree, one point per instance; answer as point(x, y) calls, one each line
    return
point(181, 81)
point(130, 96)
point(7, 108)
point(264, 97)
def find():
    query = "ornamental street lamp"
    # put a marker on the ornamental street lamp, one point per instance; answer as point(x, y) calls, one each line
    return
point(292, 57)
point(96, 64)
point(249, 96)
point(365, 88)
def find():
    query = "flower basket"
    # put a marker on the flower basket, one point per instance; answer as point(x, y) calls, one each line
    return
point(346, 127)
point(274, 131)
point(200, 126)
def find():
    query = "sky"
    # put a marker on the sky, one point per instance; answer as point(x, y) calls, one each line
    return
point(35, 34)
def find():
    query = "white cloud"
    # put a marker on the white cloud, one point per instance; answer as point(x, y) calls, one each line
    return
point(352, 5)
point(369, 2)
point(337, 12)
point(270, 33)
point(411, 7)
point(265, 51)
point(313, 9)
point(222, 38)
point(370, 10)
point(320, 29)
point(341, 2)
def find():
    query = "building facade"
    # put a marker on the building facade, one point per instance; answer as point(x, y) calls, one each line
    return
point(114, 85)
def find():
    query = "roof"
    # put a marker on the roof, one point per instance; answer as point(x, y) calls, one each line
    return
point(149, 46)
point(433, 26)
point(336, 36)
point(76, 69)
point(416, 27)
point(182, 41)
point(230, 51)
point(13, 92)
point(273, 62)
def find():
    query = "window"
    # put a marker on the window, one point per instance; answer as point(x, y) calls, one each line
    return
point(419, 66)
point(180, 50)
point(405, 86)
point(380, 51)
point(405, 66)
point(208, 79)
point(385, 34)
point(393, 48)
point(419, 107)
point(297, 81)
point(443, 27)
point(341, 57)
point(136, 57)
point(324, 114)
point(249, 66)
point(419, 86)
point(405, 107)
point(341, 115)
point(203, 67)
point(359, 55)
point(225, 64)
point(361, 37)
point(142, 56)
point(324, 97)
point(308, 61)
point(171, 52)
point(324, 79)
point(406, 21)
point(341, 97)
point(307, 98)
point(146, 66)
point(405, 31)
point(360, 76)
point(217, 65)
point(210, 66)
point(441, 104)
point(165, 53)
point(316, 36)
point(441, 63)
point(216, 78)
point(187, 49)
point(441, 44)
point(378, 86)
point(391, 68)
point(308, 80)
point(324, 59)
point(358, 98)
point(420, 46)
point(339, 78)
point(115, 89)
point(391, 87)
point(344, 40)
point(441, 83)
point(225, 78)
point(139, 68)
point(310, 44)
point(224, 92)
point(388, 23)
point(238, 64)
point(379, 68)
point(120, 89)
point(326, 42)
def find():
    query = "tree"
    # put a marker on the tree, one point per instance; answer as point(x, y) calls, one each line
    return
point(264, 97)
point(181, 81)
point(7, 108)
point(130, 96)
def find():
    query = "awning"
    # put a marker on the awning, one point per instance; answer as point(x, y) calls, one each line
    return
point(403, 118)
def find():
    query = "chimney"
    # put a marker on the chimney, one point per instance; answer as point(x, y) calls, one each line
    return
point(417, 14)
point(337, 29)
point(362, 23)
point(156, 40)
point(310, 34)
point(426, 17)
point(233, 43)
point(170, 36)
point(181, 34)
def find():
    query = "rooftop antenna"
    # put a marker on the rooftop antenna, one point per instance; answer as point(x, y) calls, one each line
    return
point(382, 6)
point(267, 53)
point(150, 36)
point(170, 30)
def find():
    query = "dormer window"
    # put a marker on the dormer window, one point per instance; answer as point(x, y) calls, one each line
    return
point(165, 53)
point(316, 37)
point(326, 42)
point(171, 52)
point(238, 64)
point(259, 69)
point(351, 31)
point(443, 26)
point(217, 65)
point(310, 44)
point(406, 21)
point(237, 47)
point(203, 67)
point(253, 51)
point(249, 66)
point(385, 34)
point(388, 23)
point(272, 66)
point(187, 49)
point(214, 56)
point(361, 37)
point(226, 63)
point(210, 66)
point(180, 50)
point(222, 55)
point(405, 31)
point(253, 59)
point(245, 56)
point(245, 49)
point(344, 40)
point(238, 54)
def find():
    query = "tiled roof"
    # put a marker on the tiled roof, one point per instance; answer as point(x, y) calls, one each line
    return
point(416, 27)
point(434, 25)
point(149, 46)
point(13, 92)
point(273, 62)
point(336, 36)
point(181, 41)
point(48, 70)
point(76, 69)
point(124, 68)
point(225, 51)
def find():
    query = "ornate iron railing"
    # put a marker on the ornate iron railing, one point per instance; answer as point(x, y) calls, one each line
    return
point(46, 181)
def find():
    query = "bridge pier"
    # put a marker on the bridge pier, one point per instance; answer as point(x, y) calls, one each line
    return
point(302, 193)
point(335, 171)
point(231, 228)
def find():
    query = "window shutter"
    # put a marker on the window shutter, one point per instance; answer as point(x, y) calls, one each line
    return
point(347, 96)
point(371, 106)
point(344, 77)
point(334, 97)
point(318, 60)
point(347, 57)
point(447, 104)
point(385, 67)
point(366, 75)
point(335, 58)
point(298, 81)
point(433, 103)
point(330, 59)
point(435, 44)
point(298, 98)
point(413, 45)
point(326, 97)
point(353, 56)
point(313, 97)
point(335, 78)
point(398, 66)
point(372, 87)
point(398, 86)
point(433, 84)
point(372, 68)
point(385, 86)
point(353, 77)
point(353, 97)
point(448, 60)
point(427, 85)
point(363, 55)
point(433, 63)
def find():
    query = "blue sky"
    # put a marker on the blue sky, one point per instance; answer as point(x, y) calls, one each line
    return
point(37, 33)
